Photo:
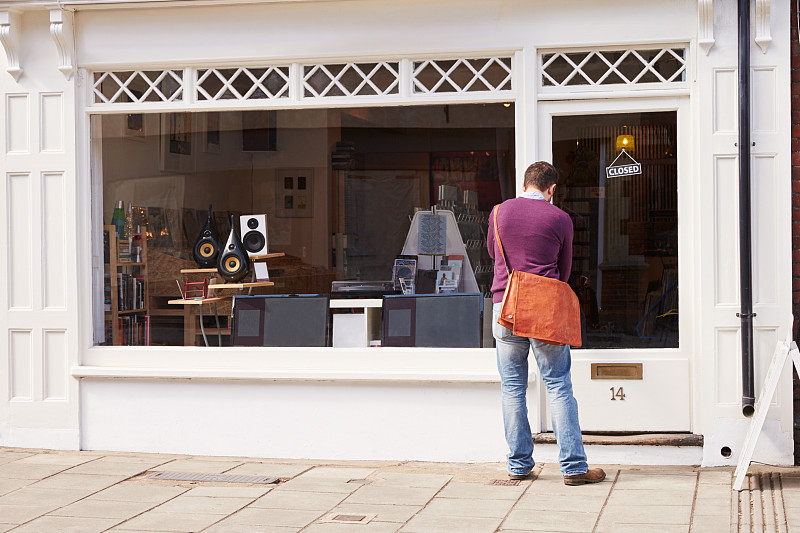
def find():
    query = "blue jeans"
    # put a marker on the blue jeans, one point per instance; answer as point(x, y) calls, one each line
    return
point(554, 366)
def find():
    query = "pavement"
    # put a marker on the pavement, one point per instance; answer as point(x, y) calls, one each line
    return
point(46, 491)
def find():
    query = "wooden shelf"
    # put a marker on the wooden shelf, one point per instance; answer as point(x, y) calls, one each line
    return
point(259, 258)
point(240, 285)
point(130, 311)
point(214, 299)
point(111, 291)
point(198, 271)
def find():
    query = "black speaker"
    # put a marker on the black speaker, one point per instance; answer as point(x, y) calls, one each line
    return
point(206, 247)
point(234, 263)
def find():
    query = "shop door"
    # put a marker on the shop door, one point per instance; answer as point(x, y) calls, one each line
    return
point(629, 265)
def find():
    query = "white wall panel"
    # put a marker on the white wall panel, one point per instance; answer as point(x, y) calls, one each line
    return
point(765, 231)
point(725, 101)
point(53, 241)
point(764, 340)
point(726, 230)
point(54, 364)
point(51, 127)
point(20, 251)
point(763, 113)
point(20, 359)
point(18, 133)
point(727, 362)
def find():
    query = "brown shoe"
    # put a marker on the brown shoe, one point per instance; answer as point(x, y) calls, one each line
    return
point(593, 475)
point(529, 475)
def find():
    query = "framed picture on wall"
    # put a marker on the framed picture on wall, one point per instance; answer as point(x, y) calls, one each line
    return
point(211, 132)
point(134, 127)
point(294, 192)
point(259, 131)
point(176, 142)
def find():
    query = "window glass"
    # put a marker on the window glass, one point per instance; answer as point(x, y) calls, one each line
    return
point(625, 247)
point(329, 196)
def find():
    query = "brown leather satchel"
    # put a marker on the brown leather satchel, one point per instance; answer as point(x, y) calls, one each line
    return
point(542, 308)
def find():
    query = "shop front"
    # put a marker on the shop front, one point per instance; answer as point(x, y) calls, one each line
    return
point(260, 228)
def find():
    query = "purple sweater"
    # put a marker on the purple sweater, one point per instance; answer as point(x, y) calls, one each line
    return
point(537, 238)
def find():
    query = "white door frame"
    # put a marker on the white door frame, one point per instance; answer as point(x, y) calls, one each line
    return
point(662, 400)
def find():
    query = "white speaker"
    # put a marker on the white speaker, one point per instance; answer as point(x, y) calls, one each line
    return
point(253, 229)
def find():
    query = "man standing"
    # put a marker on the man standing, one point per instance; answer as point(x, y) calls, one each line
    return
point(537, 238)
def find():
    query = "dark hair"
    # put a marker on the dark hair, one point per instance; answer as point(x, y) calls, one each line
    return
point(540, 175)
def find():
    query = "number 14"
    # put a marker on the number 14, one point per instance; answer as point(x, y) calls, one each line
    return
point(617, 394)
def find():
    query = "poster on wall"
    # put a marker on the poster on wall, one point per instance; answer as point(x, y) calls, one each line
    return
point(294, 192)
point(176, 142)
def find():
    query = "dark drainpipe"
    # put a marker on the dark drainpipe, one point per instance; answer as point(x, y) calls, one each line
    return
point(745, 245)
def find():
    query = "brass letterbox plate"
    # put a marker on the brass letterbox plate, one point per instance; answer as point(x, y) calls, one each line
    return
point(616, 370)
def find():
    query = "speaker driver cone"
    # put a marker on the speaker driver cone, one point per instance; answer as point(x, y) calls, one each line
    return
point(253, 241)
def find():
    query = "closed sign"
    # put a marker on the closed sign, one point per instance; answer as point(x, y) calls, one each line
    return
point(623, 170)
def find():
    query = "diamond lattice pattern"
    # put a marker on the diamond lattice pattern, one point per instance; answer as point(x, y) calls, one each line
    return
point(137, 86)
point(243, 83)
point(462, 75)
point(614, 67)
point(351, 79)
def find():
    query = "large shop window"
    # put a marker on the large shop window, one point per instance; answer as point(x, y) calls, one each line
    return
point(335, 208)
point(625, 248)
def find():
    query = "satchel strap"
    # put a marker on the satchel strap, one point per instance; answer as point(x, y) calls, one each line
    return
point(497, 238)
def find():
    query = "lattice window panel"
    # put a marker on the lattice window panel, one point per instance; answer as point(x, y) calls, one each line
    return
point(351, 79)
point(614, 67)
point(137, 86)
point(462, 75)
point(264, 83)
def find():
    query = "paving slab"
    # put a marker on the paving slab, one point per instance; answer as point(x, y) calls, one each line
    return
point(303, 484)
point(384, 513)
point(659, 481)
point(468, 508)
point(284, 471)
point(104, 509)
point(92, 482)
point(309, 501)
point(203, 505)
point(228, 492)
point(647, 514)
point(199, 466)
point(226, 526)
point(9, 485)
point(17, 470)
point(626, 497)
point(642, 528)
point(19, 514)
point(712, 506)
point(460, 489)
point(132, 492)
point(337, 473)
point(413, 480)
point(67, 524)
point(274, 517)
point(371, 527)
point(423, 523)
point(170, 522)
point(393, 494)
point(56, 459)
point(10, 457)
point(53, 498)
point(556, 521)
point(111, 468)
point(6, 527)
point(592, 503)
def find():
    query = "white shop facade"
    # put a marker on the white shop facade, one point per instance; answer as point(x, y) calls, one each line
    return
point(338, 120)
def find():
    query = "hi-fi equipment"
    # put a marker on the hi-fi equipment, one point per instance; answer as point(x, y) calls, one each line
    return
point(234, 263)
point(253, 229)
point(206, 247)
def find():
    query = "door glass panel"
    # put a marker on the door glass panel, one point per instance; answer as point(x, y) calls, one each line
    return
point(625, 248)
